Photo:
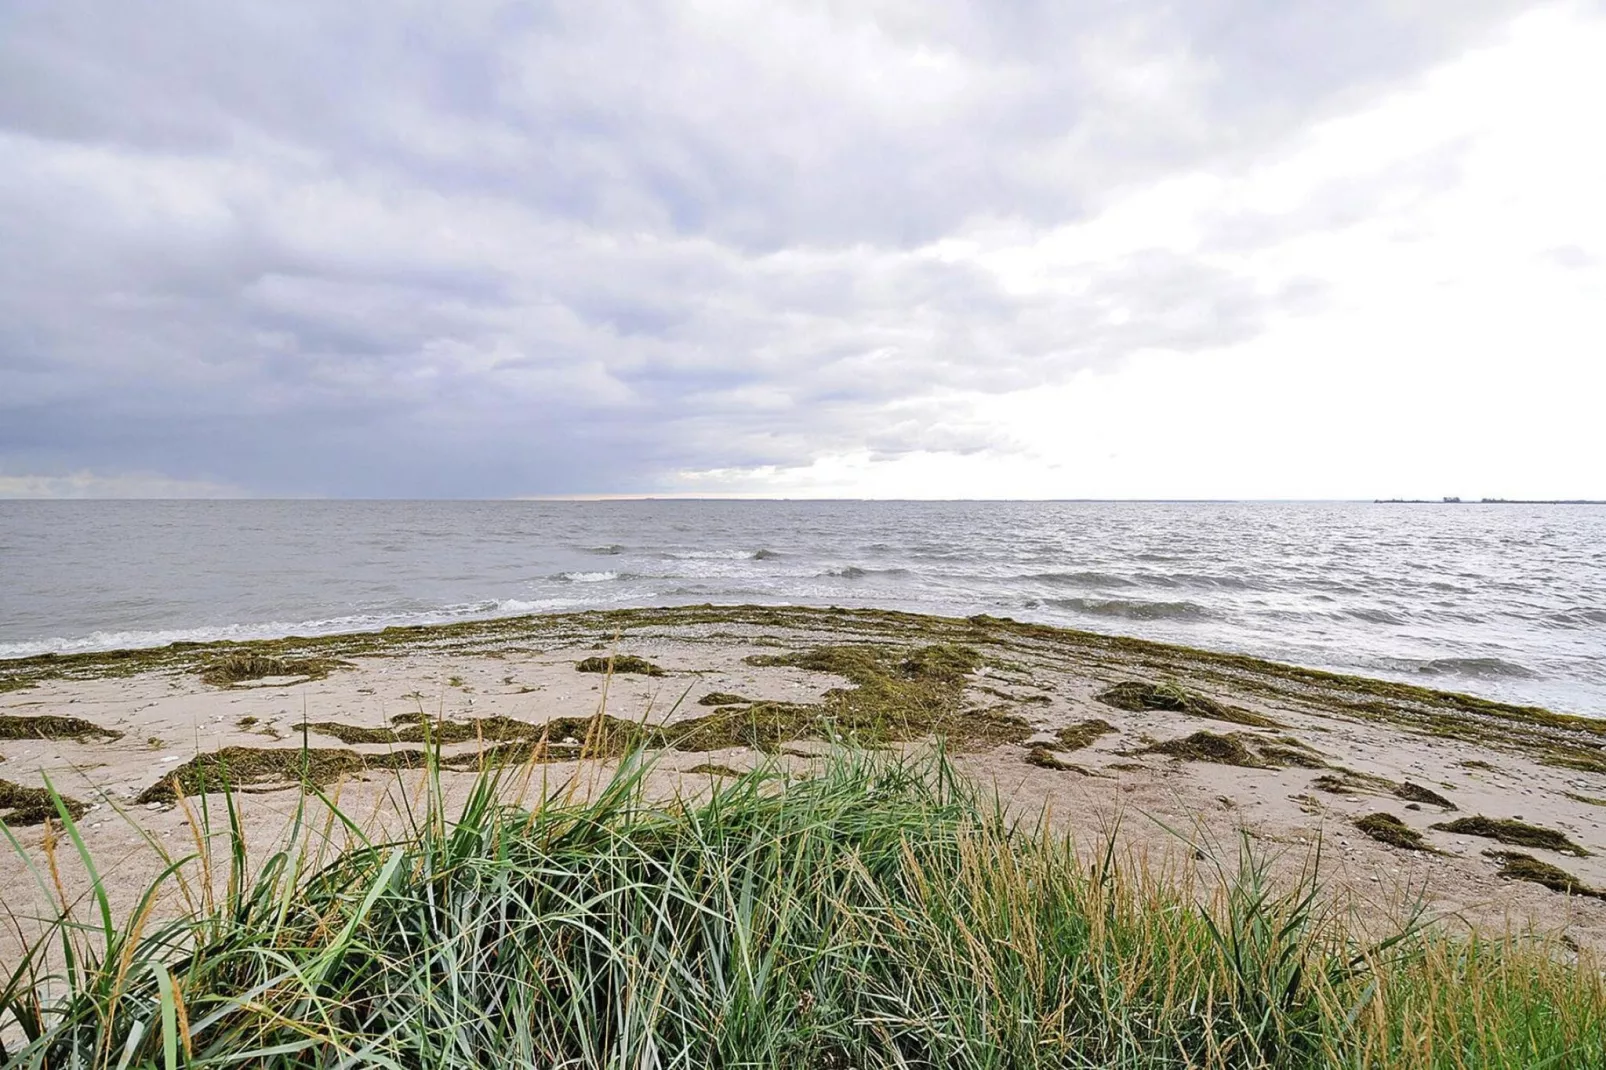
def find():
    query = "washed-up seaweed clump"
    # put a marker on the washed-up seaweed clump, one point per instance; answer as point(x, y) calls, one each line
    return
point(1289, 751)
point(53, 726)
point(1516, 833)
point(620, 664)
point(1417, 793)
point(269, 769)
point(1082, 734)
point(1386, 828)
point(21, 805)
point(723, 698)
point(1044, 758)
point(424, 730)
point(236, 668)
point(1136, 696)
point(712, 769)
point(1521, 867)
point(1208, 747)
point(899, 695)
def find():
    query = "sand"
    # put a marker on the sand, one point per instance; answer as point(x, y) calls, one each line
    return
point(1485, 759)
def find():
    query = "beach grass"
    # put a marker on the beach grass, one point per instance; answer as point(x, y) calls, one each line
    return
point(877, 911)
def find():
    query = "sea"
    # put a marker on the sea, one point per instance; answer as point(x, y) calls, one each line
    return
point(1504, 601)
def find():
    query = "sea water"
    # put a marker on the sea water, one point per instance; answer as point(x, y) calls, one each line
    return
point(1504, 601)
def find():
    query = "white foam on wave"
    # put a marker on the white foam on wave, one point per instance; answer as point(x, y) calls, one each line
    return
point(588, 577)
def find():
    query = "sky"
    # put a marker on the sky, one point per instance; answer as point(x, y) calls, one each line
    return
point(936, 249)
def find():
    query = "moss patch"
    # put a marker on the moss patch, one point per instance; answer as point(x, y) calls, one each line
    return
point(1082, 734)
point(1135, 696)
point(20, 805)
point(1516, 833)
point(1588, 799)
point(620, 663)
point(50, 726)
point(1386, 828)
point(1208, 747)
point(1417, 793)
point(236, 668)
point(1521, 867)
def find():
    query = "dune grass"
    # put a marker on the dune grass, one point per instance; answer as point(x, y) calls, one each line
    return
point(878, 912)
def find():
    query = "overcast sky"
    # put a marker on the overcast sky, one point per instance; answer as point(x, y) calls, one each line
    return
point(1197, 248)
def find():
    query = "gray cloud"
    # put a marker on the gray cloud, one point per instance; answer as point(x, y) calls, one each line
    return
point(473, 250)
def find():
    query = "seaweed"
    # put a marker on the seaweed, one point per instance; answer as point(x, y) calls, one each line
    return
point(420, 729)
point(237, 667)
point(53, 726)
point(1521, 867)
point(712, 769)
point(723, 698)
point(1207, 747)
point(1136, 697)
point(620, 663)
point(1516, 833)
point(1386, 828)
point(1417, 793)
point(1044, 758)
point(269, 769)
point(1082, 734)
point(20, 805)
point(1283, 754)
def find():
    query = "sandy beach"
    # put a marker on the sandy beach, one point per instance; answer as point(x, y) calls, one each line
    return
point(1068, 723)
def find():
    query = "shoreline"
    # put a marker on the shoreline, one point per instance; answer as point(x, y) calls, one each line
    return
point(1222, 744)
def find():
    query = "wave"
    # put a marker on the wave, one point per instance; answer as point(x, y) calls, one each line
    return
point(1575, 618)
point(1129, 609)
point(611, 550)
point(589, 577)
point(854, 572)
point(1081, 579)
point(1374, 616)
point(762, 554)
point(1477, 667)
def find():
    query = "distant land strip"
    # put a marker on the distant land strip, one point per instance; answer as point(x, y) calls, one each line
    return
point(1489, 501)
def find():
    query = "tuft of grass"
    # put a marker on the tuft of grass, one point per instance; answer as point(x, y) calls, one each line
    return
point(1417, 793)
point(877, 914)
point(1516, 833)
point(1386, 828)
point(53, 726)
point(620, 663)
point(1082, 734)
point(1136, 696)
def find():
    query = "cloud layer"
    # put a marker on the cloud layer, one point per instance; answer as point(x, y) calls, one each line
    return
point(486, 250)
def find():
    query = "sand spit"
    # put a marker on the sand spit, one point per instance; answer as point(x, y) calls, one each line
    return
point(1180, 750)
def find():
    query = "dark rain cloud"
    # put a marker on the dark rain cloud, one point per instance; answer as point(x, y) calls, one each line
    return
point(475, 249)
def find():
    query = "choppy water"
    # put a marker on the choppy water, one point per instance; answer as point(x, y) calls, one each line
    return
point(1505, 601)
